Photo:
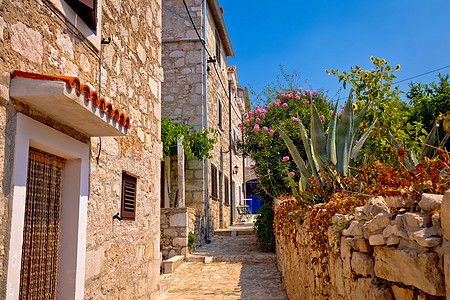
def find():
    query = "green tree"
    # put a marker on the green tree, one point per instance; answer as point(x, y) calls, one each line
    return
point(428, 101)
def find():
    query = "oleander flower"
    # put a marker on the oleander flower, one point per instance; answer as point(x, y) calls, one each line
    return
point(256, 127)
point(294, 119)
point(322, 117)
point(291, 174)
point(286, 158)
point(265, 128)
point(284, 105)
point(271, 131)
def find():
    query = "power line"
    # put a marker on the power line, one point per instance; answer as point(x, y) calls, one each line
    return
point(426, 73)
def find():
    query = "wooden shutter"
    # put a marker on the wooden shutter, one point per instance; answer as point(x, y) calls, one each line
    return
point(214, 182)
point(227, 191)
point(86, 10)
point(220, 114)
point(162, 185)
point(218, 55)
point(129, 189)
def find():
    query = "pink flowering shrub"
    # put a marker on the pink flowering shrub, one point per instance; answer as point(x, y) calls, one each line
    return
point(281, 109)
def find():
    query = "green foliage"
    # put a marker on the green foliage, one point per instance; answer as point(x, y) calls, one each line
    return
point(264, 225)
point(331, 154)
point(195, 143)
point(428, 101)
point(374, 87)
point(191, 240)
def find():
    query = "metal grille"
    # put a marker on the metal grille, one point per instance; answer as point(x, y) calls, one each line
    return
point(40, 250)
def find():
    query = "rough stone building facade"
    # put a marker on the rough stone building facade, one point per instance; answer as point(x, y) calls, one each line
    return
point(100, 257)
point(199, 89)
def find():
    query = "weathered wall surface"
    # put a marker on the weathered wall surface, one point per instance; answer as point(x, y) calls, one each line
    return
point(176, 223)
point(123, 258)
point(381, 255)
point(183, 97)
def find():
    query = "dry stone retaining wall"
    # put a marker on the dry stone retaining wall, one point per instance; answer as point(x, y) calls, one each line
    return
point(176, 223)
point(380, 255)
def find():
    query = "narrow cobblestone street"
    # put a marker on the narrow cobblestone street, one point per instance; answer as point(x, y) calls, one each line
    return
point(237, 271)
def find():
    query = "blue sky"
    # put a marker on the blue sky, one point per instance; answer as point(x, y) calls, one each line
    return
point(311, 36)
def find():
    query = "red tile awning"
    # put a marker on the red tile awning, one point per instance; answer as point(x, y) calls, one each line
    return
point(70, 102)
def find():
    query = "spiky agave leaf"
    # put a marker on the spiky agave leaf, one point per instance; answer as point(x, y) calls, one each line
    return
point(362, 140)
point(331, 140)
point(307, 146)
point(318, 139)
point(344, 136)
point(428, 151)
point(295, 154)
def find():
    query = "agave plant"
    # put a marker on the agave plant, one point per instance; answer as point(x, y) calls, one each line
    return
point(429, 146)
point(325, 152)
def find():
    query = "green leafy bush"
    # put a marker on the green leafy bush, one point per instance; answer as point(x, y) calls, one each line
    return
point(196, 143)
point(264, 224)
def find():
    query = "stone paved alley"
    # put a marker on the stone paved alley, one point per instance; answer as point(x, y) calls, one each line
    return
point(238, 270)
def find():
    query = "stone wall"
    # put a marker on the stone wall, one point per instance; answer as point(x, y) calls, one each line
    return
point(122, 258)
point(183, 97)
point(176, 223)
point(381, 255)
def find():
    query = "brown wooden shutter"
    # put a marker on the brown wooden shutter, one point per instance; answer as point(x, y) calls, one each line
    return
point(218, 55)
point(220, 114)
point(227, 191)
point(129, 189)
point(214, 182)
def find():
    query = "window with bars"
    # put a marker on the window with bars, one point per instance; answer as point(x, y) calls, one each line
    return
point(227, 191)
point(218, 54)
point(213, 182)
point(129, 189)
point(86, 10)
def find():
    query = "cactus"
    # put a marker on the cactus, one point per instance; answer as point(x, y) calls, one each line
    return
point(336, 149)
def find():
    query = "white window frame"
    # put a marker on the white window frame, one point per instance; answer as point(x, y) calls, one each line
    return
point(75, 191)
point(75, 20)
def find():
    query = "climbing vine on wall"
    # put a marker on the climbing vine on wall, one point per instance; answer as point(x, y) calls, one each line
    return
point(196, 143)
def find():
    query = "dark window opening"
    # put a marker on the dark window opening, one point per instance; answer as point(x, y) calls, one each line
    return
point(214, 182)
point(86, 10)
point(129, 189)
point(227, 191)
point(218, 55)
point(219, 112)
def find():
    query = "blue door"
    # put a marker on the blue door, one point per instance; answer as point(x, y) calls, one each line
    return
point(250, 193)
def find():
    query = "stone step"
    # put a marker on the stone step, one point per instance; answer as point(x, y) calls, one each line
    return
point(164, 285)
point(170, 265)
point(233, 232)
point(259, 258)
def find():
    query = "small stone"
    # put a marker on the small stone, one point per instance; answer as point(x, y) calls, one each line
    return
point(179, 241)
point(417, 220)
point(430, 202)
point(390, 230)
point(404, 200)
point(427, 237)
point(399, 219)
point(355, 229)
point(375, 206)
point(362, 263)
point(392, 241)
point(359, 214)
point(445, 215)
point(377, 240)
point(402, 293)
point(27, 42)
point(436, 221)
point(379, 222)
point(361, 244)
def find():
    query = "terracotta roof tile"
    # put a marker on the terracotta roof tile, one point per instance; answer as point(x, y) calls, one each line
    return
point(74, 82)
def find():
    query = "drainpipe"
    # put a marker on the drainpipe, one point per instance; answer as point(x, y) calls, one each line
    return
point(205, 108)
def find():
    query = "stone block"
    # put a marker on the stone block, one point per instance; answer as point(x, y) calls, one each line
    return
point(95, 262)
point(178, 220)
point(27, 42)
point(392, 241)
point(430, 202)
point(416, 220)
point(404, 200)
point(179, 242)
point(436, 221)
point(402, 293)
point(355, 229)
point(404, 266)
point(390, 230)
point(447, 272)
point(361, 244)
point(426, 237)
point(208, 259)
point(377, 240)
point(170, 232)
point(379, 222)
point(445, 215)
point(172, 264)
point(375, 206)
point(362, 264)
point(364, 288)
